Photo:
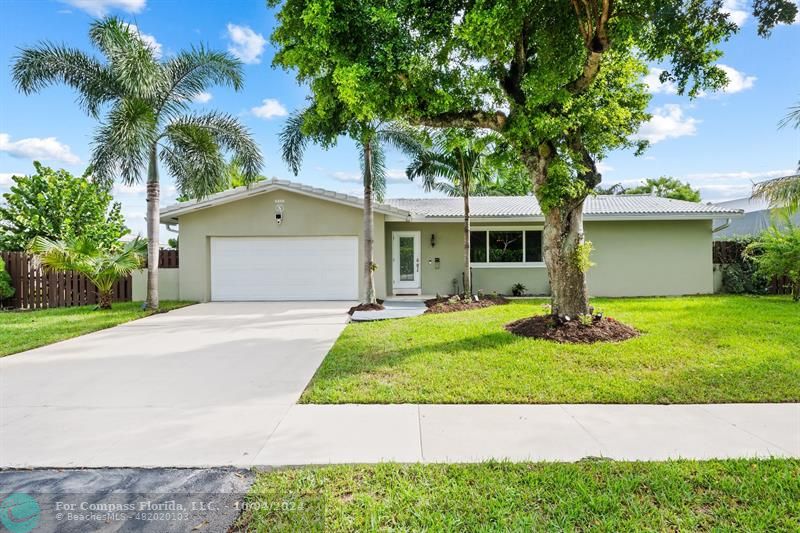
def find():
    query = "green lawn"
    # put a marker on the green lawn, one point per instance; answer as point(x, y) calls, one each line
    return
point(692, 350)
point(732, 495)
point(23, 330)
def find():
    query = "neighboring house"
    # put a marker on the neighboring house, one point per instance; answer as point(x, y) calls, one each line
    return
point(281, 240)
point(757, 217)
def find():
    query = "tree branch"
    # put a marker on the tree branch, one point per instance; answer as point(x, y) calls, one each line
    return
point(464, 119)
point(594, 29)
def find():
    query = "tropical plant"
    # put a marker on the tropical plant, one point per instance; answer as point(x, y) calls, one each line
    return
point(371, 138)
point(6, 290)
point(148, 116)
point(666, 187)
point(102, 266)
point(457, 165)
point(776, 254)
point(792, 118)
point(57, 205)
point(233, 177)
point(780, 192)
point(561, 82)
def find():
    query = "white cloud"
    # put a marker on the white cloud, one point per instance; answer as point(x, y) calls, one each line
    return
point(347, 177)
point(667, 122)
point(38, 148)
point(396, 175)
point(741, 175)
point(269, 108)
point(148, 40)
point(246, 44)
point(5, 177)
point(736, 10)
point(393, 175)
point(604, 167)
point(136, 188)
point(737, 81)
point(99, 8)
point(654, 84)
point(202, 98)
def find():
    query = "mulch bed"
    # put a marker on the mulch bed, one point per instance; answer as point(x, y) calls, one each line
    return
point(443, 304)
point(365, 307)
point(546, 327)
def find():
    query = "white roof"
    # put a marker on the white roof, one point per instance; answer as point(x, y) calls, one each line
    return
point(526, 206)
point(492, 207)
point(170, 214)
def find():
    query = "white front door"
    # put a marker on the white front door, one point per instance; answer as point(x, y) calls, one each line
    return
point(406, 278)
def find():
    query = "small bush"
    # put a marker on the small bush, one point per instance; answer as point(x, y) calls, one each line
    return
point(6, 290)
point(518, 289)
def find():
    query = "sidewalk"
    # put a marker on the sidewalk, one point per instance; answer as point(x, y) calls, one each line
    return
point(468, 433)
point(265, 435)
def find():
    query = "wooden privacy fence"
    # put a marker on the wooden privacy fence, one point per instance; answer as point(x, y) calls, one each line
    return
point(36, 288)
point(730, 252)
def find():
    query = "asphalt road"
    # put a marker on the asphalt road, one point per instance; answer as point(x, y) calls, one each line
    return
point(122, 499)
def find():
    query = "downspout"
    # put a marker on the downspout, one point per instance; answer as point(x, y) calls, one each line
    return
point(722, 227)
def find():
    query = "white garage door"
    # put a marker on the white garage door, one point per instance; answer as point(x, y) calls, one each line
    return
point(284, 268)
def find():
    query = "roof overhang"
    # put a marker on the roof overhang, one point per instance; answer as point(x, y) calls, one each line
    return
point(587, 218)
point(171, 214)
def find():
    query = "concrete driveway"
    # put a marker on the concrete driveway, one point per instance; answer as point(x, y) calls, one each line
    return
point(203, 385)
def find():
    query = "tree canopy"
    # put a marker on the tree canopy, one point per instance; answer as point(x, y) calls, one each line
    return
point(665, 187)
point(57, 205)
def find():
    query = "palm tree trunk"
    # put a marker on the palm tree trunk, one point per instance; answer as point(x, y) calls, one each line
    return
point(104, 299)
point(369, 240)
point(153, 190)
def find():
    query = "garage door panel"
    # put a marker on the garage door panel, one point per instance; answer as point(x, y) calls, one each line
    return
point(284, 268)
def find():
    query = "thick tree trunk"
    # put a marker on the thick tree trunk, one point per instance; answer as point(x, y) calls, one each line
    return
point(467, 270)
point(153, 190)
point(104, 300)
point(561, 240)
point(369, 240)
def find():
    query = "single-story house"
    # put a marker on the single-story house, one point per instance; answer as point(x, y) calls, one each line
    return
point(280, 240)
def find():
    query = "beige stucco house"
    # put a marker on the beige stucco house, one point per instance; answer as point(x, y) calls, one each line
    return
point(280, 240)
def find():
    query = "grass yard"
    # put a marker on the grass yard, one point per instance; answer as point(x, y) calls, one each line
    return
point(23, 330)
point(707, 349)
point(731, 495)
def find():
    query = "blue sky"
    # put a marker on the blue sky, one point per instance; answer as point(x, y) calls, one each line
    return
point(719, 142)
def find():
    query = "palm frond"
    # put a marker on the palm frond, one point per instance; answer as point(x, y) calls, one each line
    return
point(294, 141)
point(401, 137)
point(131, 60)
point(123, 141)
point(193, 71)
point(193, 157)
point(231, 136)
point(46, 64)
point(780, 192)
point(792, 118)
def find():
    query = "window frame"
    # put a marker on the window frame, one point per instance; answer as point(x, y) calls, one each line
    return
point(520, 264)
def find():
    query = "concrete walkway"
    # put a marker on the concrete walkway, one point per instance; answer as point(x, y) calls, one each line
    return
point(392, 309)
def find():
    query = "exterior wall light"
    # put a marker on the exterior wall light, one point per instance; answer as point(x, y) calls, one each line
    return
point(433, 240)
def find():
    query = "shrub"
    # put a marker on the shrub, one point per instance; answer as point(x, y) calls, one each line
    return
point(6, 290)
point(518, 289)
point(739, 274)
point(776, 254)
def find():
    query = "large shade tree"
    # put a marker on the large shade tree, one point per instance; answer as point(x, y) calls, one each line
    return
point(324, 127)
point(559, 81)
point(144, 105)
point(457, 165)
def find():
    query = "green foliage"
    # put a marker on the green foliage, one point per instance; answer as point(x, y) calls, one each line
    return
point(739, 274)
point(233, 177)
point(59, 206)
point(148, 106)
point(776, 254)
point(780, 192)
point(173, 243)
point(583, 256)
point(102, 266)
point(518, 289)
point(6, 290)
point(666, 187)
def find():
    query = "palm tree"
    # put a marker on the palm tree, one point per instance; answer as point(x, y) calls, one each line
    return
point(148, 117)
point(371, 137)
point(457, 166)
point(102, 267)
point(780, 192)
